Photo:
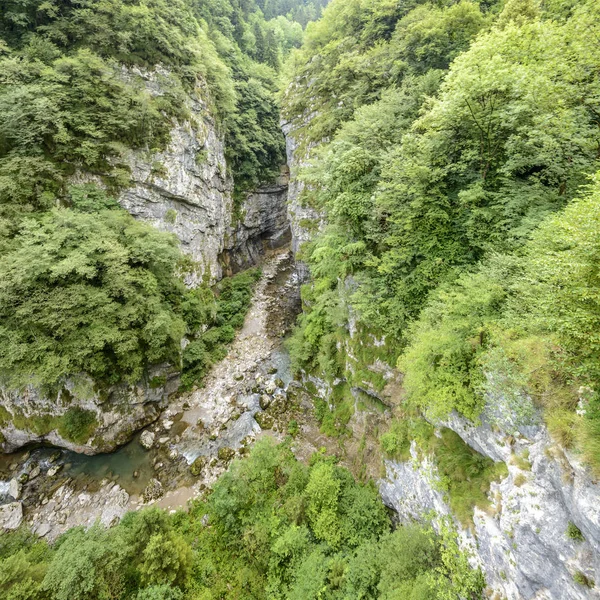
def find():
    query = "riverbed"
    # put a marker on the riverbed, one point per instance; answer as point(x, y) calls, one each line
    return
point(194, 439)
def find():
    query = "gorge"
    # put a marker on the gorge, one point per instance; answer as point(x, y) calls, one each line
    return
point(270, 278)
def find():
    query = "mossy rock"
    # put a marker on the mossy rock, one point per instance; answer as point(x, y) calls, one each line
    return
point(264, 420)
point(226, 454)
point(265, 401)
point(197, 466)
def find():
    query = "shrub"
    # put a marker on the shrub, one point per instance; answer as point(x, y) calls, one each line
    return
point(78, 425)
point(574, 533)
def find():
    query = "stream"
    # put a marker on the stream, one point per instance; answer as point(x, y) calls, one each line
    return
point(194, 439)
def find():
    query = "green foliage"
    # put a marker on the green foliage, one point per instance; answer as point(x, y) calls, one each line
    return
point(212, 321)
point(465, 474)
point(78, 425)
point(439, 140)
point(271, 528)
point(93, 293)
point(574, 532)
point(583, 580)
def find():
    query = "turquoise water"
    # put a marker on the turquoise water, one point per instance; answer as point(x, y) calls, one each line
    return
point(88, 471)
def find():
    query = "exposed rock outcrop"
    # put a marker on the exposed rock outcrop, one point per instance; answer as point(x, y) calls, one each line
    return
point(186, 190)
point(305, 221)
point(11, 515)
point(262, 224)
point(527, 543)
point(116, 413)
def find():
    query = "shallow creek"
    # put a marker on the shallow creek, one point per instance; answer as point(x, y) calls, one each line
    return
point(203, 429)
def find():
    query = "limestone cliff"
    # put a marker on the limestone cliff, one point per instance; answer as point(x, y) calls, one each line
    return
point(304, 220)
point(524, 542)
point(185, 189)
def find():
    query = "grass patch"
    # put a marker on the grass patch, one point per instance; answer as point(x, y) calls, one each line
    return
point(521, 461)
point(334, 420)
point(583, 580)
point(465, 474)
point(520, 480)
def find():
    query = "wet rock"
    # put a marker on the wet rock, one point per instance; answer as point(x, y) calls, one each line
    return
point(167, 425)
point(163, 440)
point(52, 471)
point(153, 491)
point(11, 515)
point(270, 387)
point(264, 420)
point(197, 466)
point(23, 477)
point(265, 401)
point(54, 457)
point(14, 489)
point(239, 377)
point(226, 454)
point(173, 453)
point(279, 383)
point(13, 466)
point(136, 474)
point(272, 371)
point(147, 439)
point(35, 472)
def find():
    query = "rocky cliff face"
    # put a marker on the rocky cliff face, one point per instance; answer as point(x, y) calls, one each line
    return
point(262, 224)
point(82, 418)
point(540, 538)
point(304, 220)
point(186, 190)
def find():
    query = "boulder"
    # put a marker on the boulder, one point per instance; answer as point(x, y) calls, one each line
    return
point(147, 439)
point(14, 489)
point(11, 515)
point(153, 491)
point(265, 401)
point(52, 471)
point(197, 466)
point(226, 454)
point(264, 420)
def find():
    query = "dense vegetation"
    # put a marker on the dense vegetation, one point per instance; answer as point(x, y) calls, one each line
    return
point(86, 290)
point(90, 291)
point(448, 135)
point(271, 528)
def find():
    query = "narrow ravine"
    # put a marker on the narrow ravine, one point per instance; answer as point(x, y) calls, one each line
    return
point(188, 447)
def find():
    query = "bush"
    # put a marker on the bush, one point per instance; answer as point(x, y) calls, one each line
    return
point(574, 533)
point(78, 425)
point(94, 293)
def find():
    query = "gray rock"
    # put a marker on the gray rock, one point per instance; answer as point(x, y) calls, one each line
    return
point(52, 471)
point(11, 515)
point(14, 489)
point(153, 491)
point(147, 439)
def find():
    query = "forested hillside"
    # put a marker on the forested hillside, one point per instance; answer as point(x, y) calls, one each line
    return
point(86, 289)
point(456, 144)
point(427, 172)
